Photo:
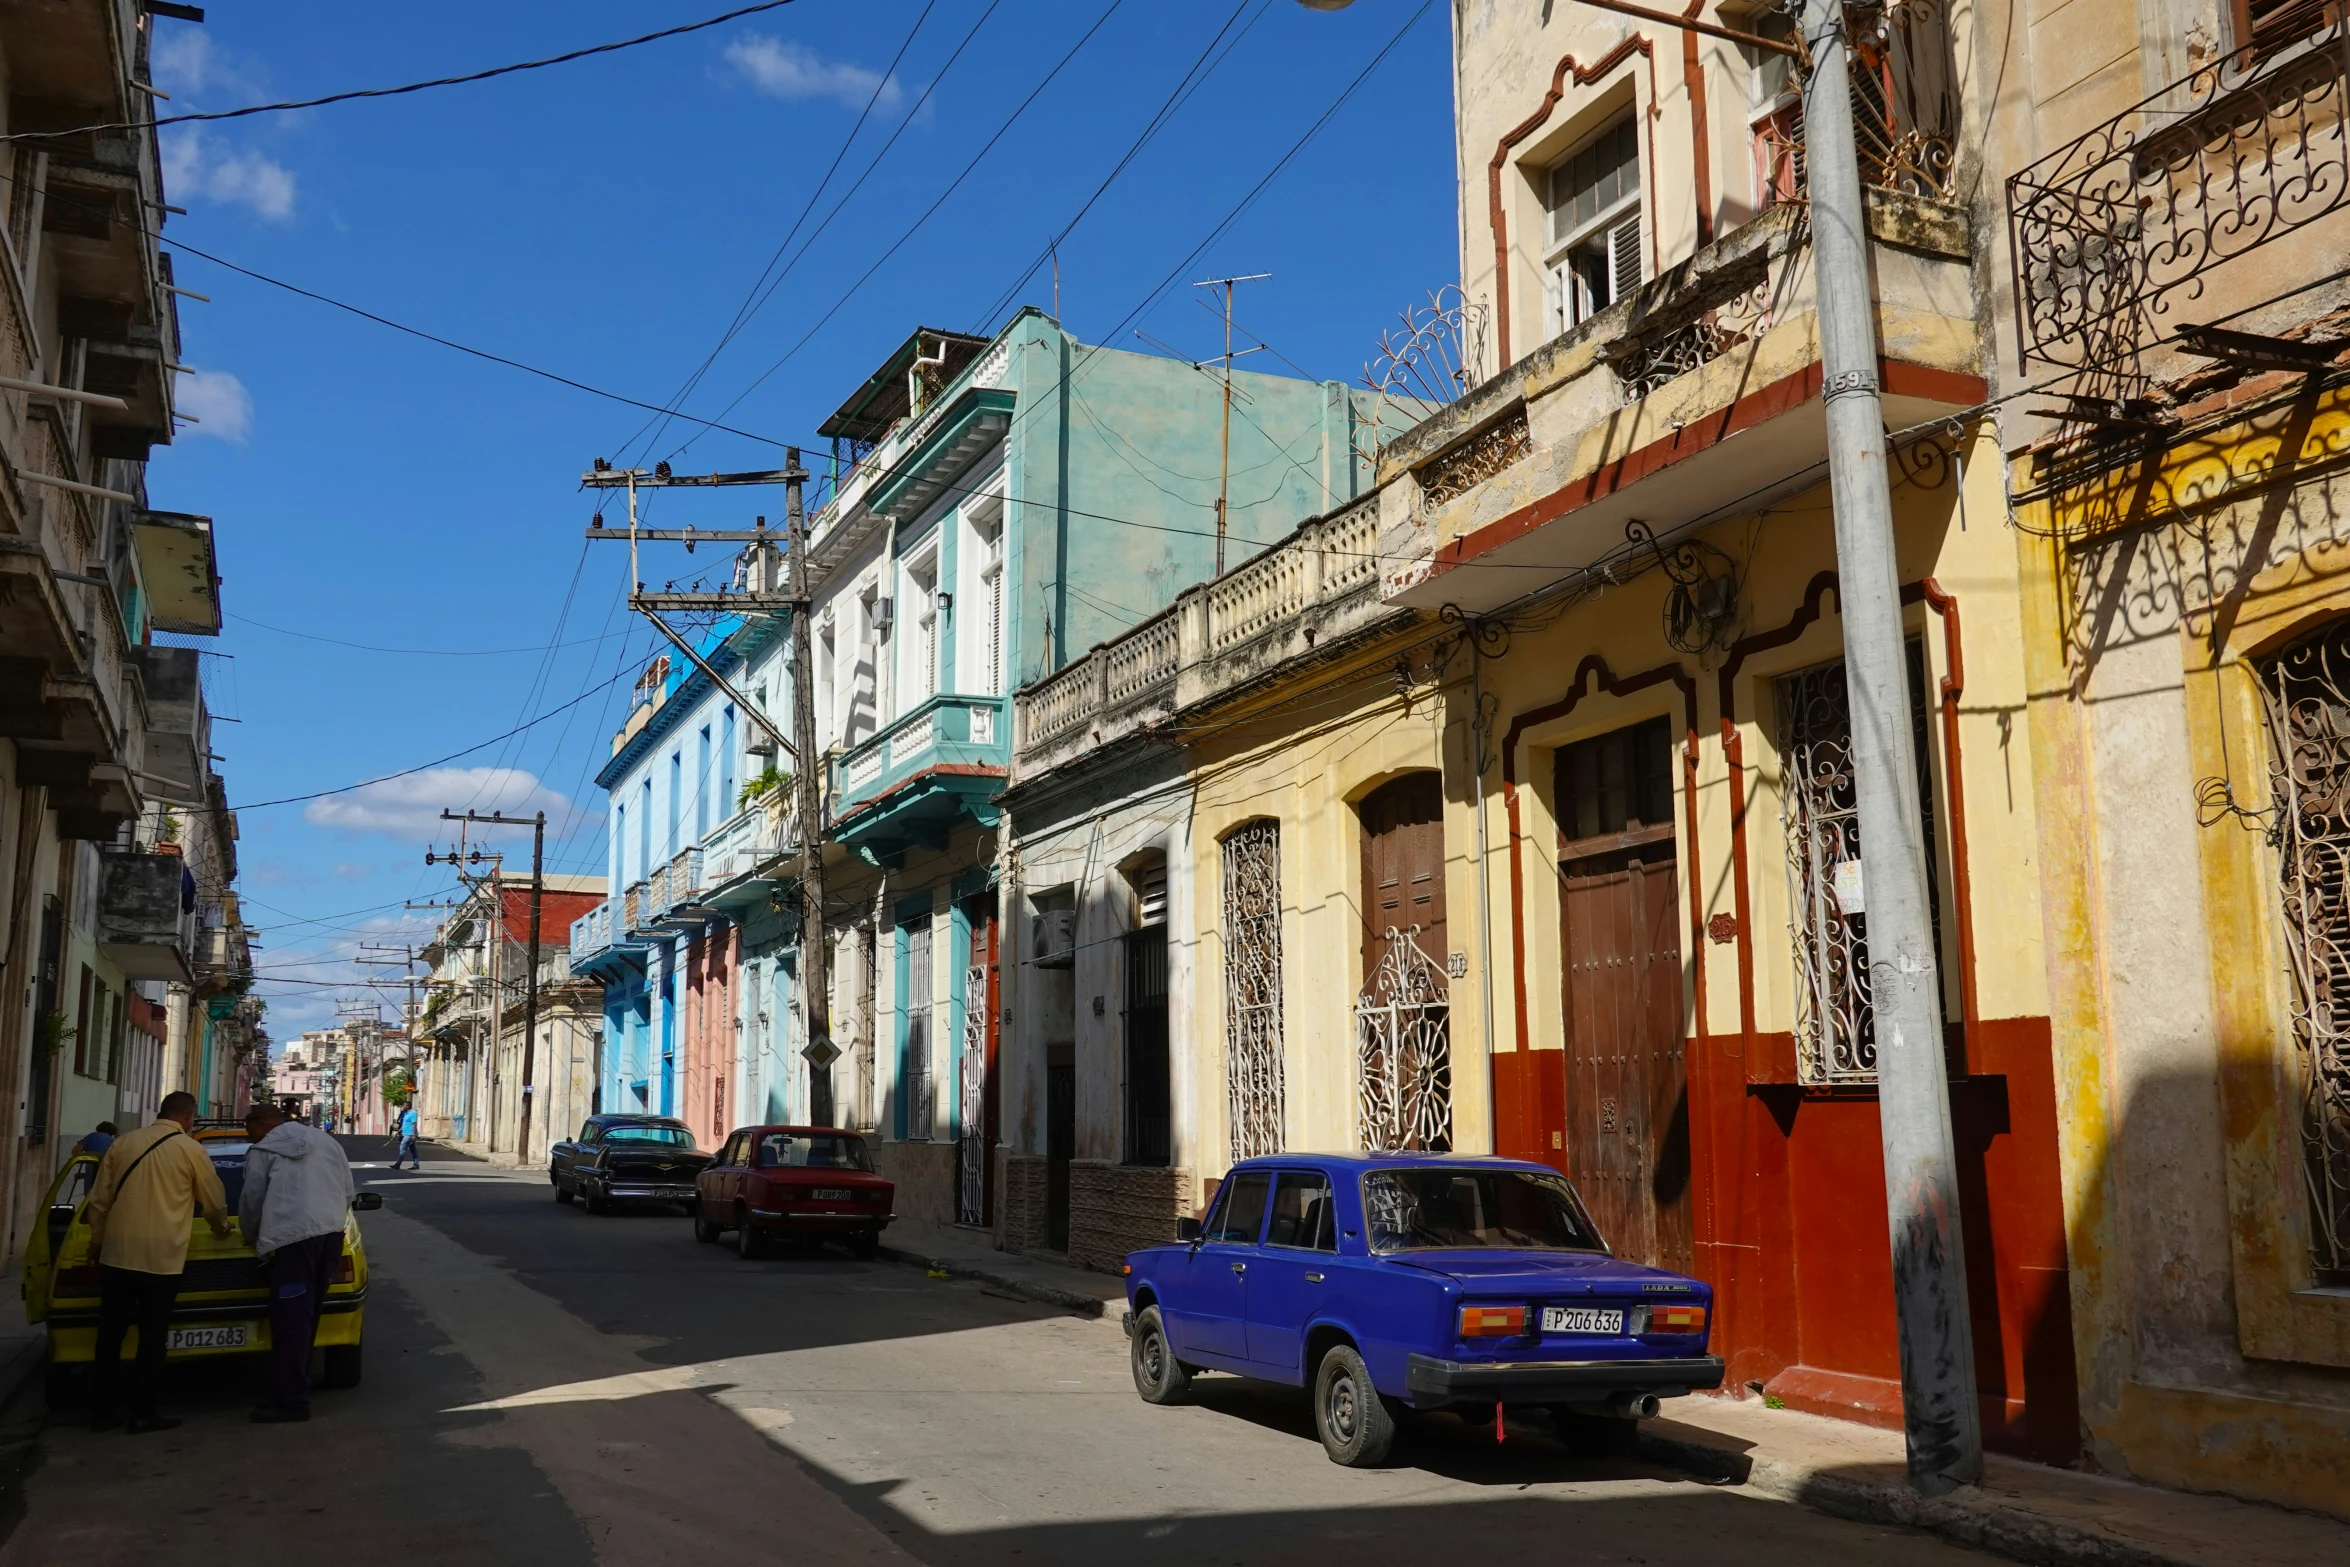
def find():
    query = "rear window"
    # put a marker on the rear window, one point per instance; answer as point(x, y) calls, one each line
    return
point(228, 1162)
point(822, 1151)
point(666, 1136)
point(1436, 1209)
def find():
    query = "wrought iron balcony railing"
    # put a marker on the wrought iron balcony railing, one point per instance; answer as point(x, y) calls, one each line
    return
point(2109, 229)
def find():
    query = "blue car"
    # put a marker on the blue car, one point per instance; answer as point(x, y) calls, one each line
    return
point(1420, 1281)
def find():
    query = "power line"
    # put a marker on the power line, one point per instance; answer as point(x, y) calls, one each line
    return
point(410, 87)
point(419, 652)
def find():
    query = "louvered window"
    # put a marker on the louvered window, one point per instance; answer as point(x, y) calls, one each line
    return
point(1597, 243)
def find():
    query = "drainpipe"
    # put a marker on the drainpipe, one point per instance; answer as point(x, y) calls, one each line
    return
point(1939, 1416)
point(1477, 737)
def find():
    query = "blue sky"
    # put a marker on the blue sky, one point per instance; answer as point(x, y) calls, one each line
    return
point(604, 220)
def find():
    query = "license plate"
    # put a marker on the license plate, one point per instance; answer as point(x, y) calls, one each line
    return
point(830, 1194)
point(235, 1335)
point(1580, 1319)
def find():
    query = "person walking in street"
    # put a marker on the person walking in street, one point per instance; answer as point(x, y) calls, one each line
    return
point(407, 1140)
point(98, 1140)
point(150, 1185)
point(296, 1202)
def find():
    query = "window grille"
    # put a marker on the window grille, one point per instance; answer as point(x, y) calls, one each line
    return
point(971, 1191)
point(918, 1095)
point(1252, 988)
point(1403, 1050)
point(1835, 1028)
point(2306, 693)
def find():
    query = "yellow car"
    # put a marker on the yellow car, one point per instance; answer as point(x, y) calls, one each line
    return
point(223, 1305)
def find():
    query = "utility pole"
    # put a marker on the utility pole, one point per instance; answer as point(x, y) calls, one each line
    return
point(1939, 1415)
point(530, 985)
point(815, 968)
point(479, 1068)
point(1224, 461)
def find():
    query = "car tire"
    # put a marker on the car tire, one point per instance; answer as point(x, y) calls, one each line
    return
point(749, 1244)
point(1158, 1376)
point(1595, 1436)
point(1354, 1419)
point(342, 1366)
point(562, 1192)
point(704, 1230)
point(596, 1201)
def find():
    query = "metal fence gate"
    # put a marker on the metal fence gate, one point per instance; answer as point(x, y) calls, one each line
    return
point(1403, 1050)
point(919, 1120)
point(971, 1184)
point(1252, 988)
point(2306, 692)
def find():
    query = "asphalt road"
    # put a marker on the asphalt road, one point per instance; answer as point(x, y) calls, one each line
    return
point(544, 1386)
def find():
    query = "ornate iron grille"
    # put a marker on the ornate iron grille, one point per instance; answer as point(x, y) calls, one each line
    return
point(1403, 1051)
point(1477, 459)
point(1252, 988)
point(971, 1194)
point(2306, 692)
point(2106, 229)
point(1835, 1028)
point(1660, 357)
point(919, 1118)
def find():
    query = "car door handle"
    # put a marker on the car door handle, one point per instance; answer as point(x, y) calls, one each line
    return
point(1240, 1267)
point(1313, 1278)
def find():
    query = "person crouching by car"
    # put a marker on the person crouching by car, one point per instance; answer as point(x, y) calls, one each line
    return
point(297, 1198)
point(142, 1206)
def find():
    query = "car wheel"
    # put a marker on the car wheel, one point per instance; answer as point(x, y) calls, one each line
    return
point(704, 1230)
point(596, 1201)
point(342, 1366)
point(1355, 1422)
point(562, 1192)
point(1595, 1436)
point(749, 1244)
point(1158, 1376)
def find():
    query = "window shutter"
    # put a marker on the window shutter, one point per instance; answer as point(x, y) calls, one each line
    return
point(1624, 245)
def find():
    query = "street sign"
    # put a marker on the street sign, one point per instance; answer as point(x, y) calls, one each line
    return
point(821, 1052)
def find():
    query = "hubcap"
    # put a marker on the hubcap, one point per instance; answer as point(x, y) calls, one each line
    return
point(1154, 1358)
point(1340, 1407)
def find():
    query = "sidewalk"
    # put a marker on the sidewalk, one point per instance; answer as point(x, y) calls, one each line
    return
point(971, 1254)
point(2022, 1510)
point(24, 1346)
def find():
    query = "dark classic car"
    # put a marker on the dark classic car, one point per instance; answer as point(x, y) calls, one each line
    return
point(1421, 1281)
point(809, 1182)
point(626, 1158)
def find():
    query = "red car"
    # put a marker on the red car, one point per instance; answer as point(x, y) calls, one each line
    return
point(809, 1182)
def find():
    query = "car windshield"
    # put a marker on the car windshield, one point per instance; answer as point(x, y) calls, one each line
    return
point(818, 1151)
point(670, 1136)
point(1439, 1209)
point(228, 1162)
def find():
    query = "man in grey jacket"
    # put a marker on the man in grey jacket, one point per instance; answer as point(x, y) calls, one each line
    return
point(296, 1201)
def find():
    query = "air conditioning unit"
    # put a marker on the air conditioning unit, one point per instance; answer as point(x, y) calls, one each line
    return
point(1054, 938)
point(882, 613)
point(761, 743)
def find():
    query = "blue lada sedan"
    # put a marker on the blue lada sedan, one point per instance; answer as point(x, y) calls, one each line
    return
point(1422, 1281)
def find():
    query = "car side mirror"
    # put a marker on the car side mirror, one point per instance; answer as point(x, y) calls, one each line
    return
point(367, 1202)
point(1187, 1229)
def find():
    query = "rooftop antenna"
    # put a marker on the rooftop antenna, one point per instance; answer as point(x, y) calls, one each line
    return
point(1224, 464)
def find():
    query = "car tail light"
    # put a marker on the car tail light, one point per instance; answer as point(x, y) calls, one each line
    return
point(1492, 1321)
point(1676, 1319)
point(347, 1270)
point(81, 1278)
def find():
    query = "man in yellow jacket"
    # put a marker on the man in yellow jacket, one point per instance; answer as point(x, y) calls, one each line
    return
point(141, 1210)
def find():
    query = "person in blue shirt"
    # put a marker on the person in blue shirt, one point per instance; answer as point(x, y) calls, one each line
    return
point(100, 1140)
point(407, 1140)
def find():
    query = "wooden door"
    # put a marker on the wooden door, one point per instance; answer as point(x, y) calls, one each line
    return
point(1403, 866)
point(1626, 1077)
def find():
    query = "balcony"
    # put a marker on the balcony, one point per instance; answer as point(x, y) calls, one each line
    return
point(1311, 595)
point(1695, 394)
point(909, 784)
point(146, 918)
point(604, 934)
point(739, 859)
point(674, 893)
point(2113, 228)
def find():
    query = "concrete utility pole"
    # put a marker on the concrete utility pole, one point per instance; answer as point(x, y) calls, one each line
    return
point(815, 969)
point(530, 989)
point(1939, 1413)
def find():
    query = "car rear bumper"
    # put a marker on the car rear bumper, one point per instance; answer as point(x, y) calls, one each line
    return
point(639, 1191)
point(1433, 1382)
point(818, 1223)
point(73, 1335)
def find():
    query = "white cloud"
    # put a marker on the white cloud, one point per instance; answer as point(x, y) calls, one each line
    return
point(218, 402)
point(783, 69)
point(410, 808)
point(182, 59)
point(195, 166)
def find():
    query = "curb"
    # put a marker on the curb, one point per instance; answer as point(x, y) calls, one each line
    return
point(1970, 1516)
point(962, 1268)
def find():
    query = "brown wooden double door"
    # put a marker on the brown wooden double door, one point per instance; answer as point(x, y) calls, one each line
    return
point(1626, 1072)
